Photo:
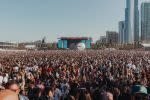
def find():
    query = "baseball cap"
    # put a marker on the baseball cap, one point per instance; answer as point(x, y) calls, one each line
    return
point(139, 89)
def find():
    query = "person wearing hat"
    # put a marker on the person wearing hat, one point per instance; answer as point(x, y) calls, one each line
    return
point(139, 92)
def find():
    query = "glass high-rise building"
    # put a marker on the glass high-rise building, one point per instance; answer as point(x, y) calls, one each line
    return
point(145, 21)
point(131, 34)
point(121, 31)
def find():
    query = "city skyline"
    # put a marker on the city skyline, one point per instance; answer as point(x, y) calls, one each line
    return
point(31, 20)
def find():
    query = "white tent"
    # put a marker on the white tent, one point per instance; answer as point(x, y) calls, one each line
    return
point(146, 46)
point(30, 46)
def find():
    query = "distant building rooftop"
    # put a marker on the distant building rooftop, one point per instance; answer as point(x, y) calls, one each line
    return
point(75, 38)
point(8, 43)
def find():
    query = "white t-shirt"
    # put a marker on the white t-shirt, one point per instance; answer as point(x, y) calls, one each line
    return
point(35, 68)
point(133, 67)
point(149, 61)
point(5, 79)
point(57, 75)
point(1, 80)
point(16, 68)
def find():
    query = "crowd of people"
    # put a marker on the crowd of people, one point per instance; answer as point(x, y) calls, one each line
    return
point(75, 75)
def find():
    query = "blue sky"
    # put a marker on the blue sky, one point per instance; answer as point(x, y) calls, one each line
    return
point(27, 20)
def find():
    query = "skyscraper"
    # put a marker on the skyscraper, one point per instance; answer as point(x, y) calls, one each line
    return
point(131, 34)
point(145, 21)
point(121, 31)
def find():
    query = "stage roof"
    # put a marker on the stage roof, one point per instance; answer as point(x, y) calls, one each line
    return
point(75, 38)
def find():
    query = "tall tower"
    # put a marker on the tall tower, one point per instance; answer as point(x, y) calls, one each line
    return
point(131, 34)
point(145, 22)
point(136, 21)
point(121, 31)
